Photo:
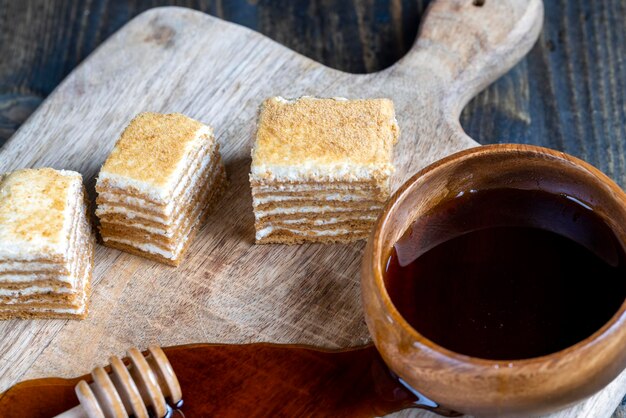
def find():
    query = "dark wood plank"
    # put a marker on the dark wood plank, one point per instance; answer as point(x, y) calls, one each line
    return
point(42, 41)
point(569, 93)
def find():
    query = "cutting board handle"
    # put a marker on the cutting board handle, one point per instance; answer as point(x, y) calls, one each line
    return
point(468, 44)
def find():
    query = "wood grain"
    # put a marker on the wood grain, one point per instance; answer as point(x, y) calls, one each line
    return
point(230, 290)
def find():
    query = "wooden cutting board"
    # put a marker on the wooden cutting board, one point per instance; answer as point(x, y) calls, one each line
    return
point(228, 289)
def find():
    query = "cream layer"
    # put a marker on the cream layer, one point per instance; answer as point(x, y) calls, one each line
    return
point(151, 248)
point(349, 226)
point(29, 267)
point(316, 187)
point(258, 214)
point(33, 290)
point(329, 221)
point(310, 170)
point(25, 278)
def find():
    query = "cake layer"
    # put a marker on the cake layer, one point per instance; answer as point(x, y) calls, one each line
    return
point(131, 221)
point(63, 276)
point(342, 215)
point(48, 303)
point(173, 258)
point(302, 203)
point(35, 290)
point(345, 225)
point(169, 242)
point(168, 256)
point(208, 156)
point(153, 153)
point(31, 267)
point(36, 213)
point(150, 255)
point(307, 232)
point(28, 312)
point(289, 237)
point(48, 283)
point(65, 280)
point(131, 233)
point(63, 300)
point(209, 169)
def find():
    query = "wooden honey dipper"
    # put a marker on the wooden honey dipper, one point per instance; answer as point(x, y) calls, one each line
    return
point(146, 383)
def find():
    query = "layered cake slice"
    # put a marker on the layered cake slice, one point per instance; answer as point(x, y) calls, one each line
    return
point(321, 168)
point(46, 245)
point(157, 185)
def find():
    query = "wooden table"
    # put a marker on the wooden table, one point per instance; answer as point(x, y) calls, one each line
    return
point(568, 94)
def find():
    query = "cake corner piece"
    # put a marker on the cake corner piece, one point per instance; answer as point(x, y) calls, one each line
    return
point(44, 221)
point(321, 168)
point(157, 186)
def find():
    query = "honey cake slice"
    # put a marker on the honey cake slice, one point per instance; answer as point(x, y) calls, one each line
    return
point(157, 184)
point(46, 245)
point(52, 302)
point(315, 160)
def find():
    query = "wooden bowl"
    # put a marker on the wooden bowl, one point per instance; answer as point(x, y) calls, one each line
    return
point(493, 387)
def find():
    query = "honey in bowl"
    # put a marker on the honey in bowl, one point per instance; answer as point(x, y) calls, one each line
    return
point(507, 274)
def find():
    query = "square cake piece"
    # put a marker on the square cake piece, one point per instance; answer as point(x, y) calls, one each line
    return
point(321, 168)
point(157, 185)
point(46, 245)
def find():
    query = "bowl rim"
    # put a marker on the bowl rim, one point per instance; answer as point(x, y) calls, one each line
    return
point(618, 319)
